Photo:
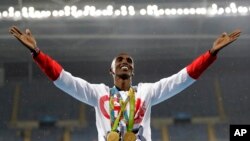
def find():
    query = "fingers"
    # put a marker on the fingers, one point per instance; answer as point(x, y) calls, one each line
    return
point(237, 31)
point(232, 36)
point(15, 35)
point(15, 32)
point(235, 34)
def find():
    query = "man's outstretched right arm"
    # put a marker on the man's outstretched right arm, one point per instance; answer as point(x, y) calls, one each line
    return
point(49, 66)
point(76, 87)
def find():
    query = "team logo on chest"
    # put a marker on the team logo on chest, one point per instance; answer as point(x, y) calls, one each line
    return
point(104, 108)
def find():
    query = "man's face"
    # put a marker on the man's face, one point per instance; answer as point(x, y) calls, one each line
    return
point(123, 65)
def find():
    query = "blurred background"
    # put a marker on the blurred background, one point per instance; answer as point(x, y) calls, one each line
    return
point(163, 36)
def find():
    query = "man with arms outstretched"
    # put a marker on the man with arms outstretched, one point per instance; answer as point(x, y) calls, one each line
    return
point(123, 111)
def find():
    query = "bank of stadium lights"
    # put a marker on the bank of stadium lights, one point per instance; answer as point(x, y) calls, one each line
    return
point(123, 10)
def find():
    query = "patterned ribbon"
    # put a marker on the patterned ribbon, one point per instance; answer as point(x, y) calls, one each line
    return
point(131, 99)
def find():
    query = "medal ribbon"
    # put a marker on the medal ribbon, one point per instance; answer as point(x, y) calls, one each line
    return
point(131, 110)
point(131, 100)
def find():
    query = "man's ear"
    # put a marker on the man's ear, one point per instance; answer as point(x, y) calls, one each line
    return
point(111, 71)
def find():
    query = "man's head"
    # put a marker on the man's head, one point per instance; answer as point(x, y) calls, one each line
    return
point(122, 66)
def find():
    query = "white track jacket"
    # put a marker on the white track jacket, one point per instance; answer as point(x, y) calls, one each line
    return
point(147, 95)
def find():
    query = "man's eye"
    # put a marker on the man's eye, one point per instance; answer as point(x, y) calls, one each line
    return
point(119, 59)
point(129, 60)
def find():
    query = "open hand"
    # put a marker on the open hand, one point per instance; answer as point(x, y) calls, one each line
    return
point(224, 40)
point(25, 38)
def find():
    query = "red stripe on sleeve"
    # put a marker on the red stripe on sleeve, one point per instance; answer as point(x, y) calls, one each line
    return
point(49, 66)
point(200, 64)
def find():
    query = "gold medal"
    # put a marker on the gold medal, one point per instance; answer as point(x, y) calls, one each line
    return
point(113, 136)
point(129, 136)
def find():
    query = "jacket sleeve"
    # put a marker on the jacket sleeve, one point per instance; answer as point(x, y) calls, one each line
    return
point(170, 86)
point(49, 66)
point(74, 86)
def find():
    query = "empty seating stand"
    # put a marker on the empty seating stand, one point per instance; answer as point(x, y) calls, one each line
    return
point(6, 100)
point(47, 134)
point(7, 134)
point(89, 134)
point(43, 99)
point(188, 132)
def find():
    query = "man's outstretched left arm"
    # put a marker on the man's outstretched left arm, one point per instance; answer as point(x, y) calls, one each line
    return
point(170, 86)
point(200, 64)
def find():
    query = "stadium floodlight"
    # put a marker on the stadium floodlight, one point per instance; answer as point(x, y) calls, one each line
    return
point(232, 5)
point(131, 13)
point(117, 12)
point(61, 13)
point(24, 10)
point(167, 11)
point(5, 14)
point(192, 11)
point(104, 12)
point(110, 7)
point(124, 10)
point(17, 14)
point(25, 14)
point(143, 12)
point(110, 12)
point(11, 12)
point(155, 7)
point(234, 10)
point(131, 10)
point(220, 11)
point(67, 13)
point(131, 7)
point(92, 8)
point(173, 11)
point(85, 13)
point(203, 11)
point(242, 9)
point(37, 14)
point(75, 14)
point(79, 13)
point(149, 7)
point(156, 13)
point(98, 13)
point(214, 6)
point(31, 9)
point(48, 13)
point(92, 13)
point(86, 7)
point(32, 14)
point(161, 12)
point(55, 13)
point(43, 14)
point(179, 11)
point(185, 11)
point(228, 10)
point(73, 8)
point(11, 9)
point(150, 11)
point(67, 10)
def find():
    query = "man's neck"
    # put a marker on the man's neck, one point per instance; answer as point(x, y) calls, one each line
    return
point(122, 84)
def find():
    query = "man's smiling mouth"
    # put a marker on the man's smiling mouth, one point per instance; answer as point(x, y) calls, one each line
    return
point(124, 68)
